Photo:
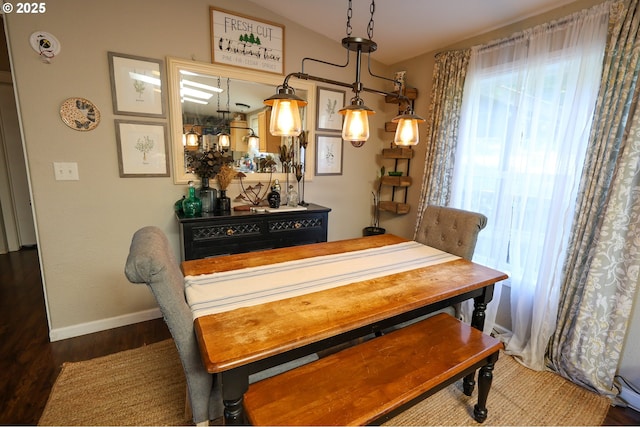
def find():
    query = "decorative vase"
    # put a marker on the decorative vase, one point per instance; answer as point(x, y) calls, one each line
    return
point(192, 206)
point(224, 203)
point(292, 197)
point(274, 198)
point(208, 197)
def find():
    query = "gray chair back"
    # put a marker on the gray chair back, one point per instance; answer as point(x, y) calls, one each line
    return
point(152, 262)
point(451, 230)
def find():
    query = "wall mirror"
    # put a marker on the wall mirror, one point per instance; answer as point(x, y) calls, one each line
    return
point(205, 99)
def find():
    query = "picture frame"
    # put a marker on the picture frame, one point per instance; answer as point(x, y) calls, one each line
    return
point(142, 149)
point(329, 102)
point(329, 150)
point(247, 42)
point(137, 85)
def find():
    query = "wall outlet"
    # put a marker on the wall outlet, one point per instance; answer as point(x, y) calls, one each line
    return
point(66, 171)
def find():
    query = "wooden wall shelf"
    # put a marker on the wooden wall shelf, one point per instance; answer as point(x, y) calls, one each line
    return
point(401, 156)
point(409, 92)
point(397, 181)
point(394, 207)
point(397, 153)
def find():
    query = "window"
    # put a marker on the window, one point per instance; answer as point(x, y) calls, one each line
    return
point(525, 121)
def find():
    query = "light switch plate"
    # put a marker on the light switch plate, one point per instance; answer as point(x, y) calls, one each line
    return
point(66, 171)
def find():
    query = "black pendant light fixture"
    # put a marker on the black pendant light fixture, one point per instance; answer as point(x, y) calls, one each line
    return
point(285, 113)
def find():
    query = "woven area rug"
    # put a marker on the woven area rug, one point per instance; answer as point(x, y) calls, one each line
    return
point(146, 386)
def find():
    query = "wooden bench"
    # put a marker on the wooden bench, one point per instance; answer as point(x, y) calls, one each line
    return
point(375, 380)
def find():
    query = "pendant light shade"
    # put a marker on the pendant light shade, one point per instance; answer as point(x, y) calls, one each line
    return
point(285, 112)
point(356, 121)
point(191, 140)
point(407, 130)
point(253, 141)
point(285, 118)
point(224, 140)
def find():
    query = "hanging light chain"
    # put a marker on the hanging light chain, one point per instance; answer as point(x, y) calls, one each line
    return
point(349, 16)
point(372, 9)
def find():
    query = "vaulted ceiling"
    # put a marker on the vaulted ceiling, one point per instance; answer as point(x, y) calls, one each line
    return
point(407, 28)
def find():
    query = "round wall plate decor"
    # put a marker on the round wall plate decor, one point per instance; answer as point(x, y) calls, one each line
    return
point(80, 114)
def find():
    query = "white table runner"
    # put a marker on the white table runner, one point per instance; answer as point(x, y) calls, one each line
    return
point(229, 290)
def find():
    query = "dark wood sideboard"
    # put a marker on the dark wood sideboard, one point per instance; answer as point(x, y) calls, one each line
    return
point(245, 231)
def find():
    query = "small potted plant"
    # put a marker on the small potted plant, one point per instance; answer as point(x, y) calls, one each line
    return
point(375, 225)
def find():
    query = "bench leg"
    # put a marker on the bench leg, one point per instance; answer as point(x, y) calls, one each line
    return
point(469, 383)
point(485, 377)
point(477, 321)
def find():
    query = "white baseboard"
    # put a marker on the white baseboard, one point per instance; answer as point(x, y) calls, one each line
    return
point(58, 334)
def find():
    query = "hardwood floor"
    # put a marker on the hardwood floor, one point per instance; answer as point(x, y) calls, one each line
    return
point(29, 363)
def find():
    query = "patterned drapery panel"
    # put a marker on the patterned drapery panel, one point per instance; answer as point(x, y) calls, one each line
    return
point(602, 269)
point(449, 74)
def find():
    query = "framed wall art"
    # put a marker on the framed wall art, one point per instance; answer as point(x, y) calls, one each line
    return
point(330, 101)
point(329, 155)
point(142, 149)
point(247, 42)
point(137, 85)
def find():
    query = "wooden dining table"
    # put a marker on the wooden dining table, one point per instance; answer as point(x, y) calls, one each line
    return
point(249, 339)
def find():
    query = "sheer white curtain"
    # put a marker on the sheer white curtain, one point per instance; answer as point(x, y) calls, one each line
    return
point(526, 114)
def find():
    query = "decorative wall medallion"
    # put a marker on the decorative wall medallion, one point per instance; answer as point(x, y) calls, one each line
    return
point(80, 114)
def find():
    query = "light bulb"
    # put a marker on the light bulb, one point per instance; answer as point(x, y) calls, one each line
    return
point(356, 126)
point(285, 118)
point(224, 140)
point(406, 132)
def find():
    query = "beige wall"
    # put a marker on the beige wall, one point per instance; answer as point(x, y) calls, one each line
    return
point(85, 226)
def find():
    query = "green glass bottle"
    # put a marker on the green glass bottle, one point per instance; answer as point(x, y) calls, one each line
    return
point(192, 206)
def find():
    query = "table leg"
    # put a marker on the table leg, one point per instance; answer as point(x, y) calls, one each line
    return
point(234, 384)
point(485, 378)
point(479, 308)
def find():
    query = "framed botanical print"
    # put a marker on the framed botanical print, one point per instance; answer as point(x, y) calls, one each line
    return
point(142, 149)
point(330, 101)
point(329, 155)
point(137, 85)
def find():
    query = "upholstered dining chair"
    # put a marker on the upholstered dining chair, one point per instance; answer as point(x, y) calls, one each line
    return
point(151, 261)
point(451, 230)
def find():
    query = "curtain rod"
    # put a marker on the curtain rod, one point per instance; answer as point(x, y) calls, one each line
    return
point(549, 25)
